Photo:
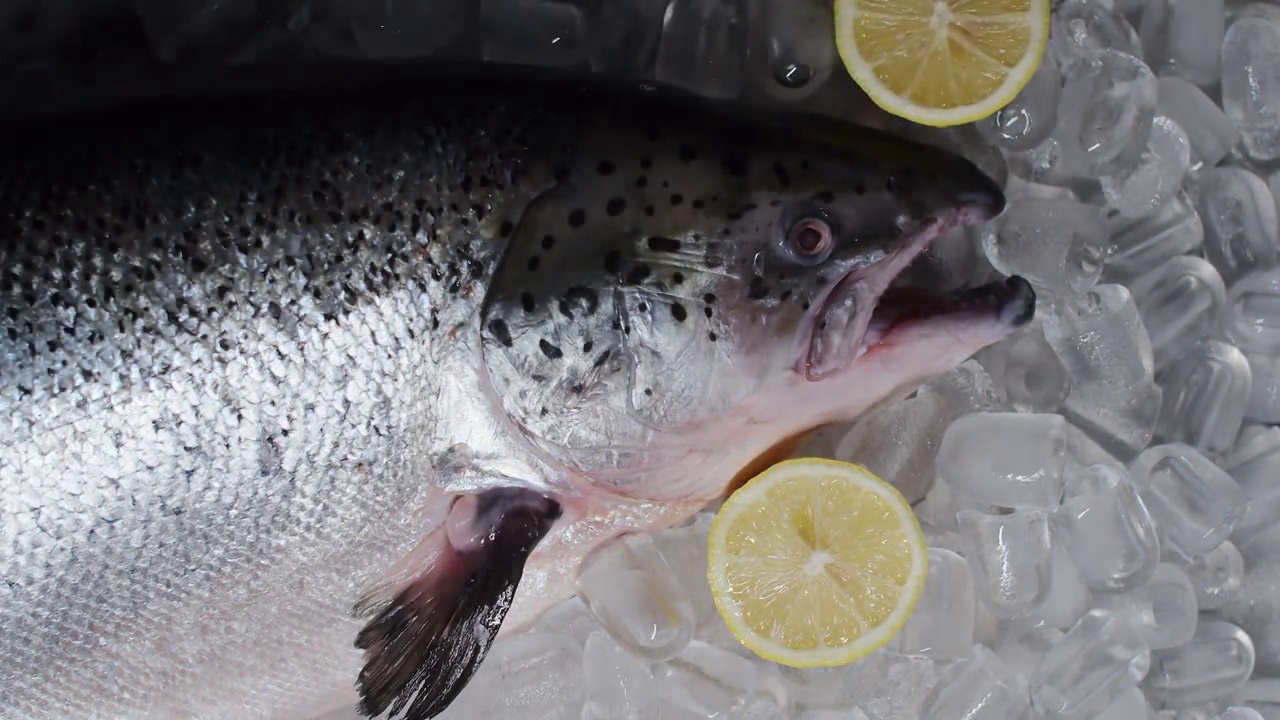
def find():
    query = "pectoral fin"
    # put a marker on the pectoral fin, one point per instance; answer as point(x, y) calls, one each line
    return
point(425, 645)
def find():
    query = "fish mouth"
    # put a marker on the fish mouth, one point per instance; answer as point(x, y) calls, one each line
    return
point(864, 308)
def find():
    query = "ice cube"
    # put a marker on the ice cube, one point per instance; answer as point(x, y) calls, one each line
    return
point(1208, 129)
point(703, 47)
point(1057, 245)
point(792, 47)
point(978, 687)
point(1239, 712)
point(1240, 223)
point(1206, 392)
point(942, 624)
point(685, 550)
point(1028, 372)
point(1254, 462)
point(1163, 611)
point(1009, 556)
point(619, 685)
point(1183, 38)
point(1212, 666)
point(898, 442)
point(705, 680)
point(1194, 503)
point(1106, 530)
point(400, 29)
point(1139, 189)
point(1264, 402)
point(1081, 27)
point(530, 676)
point(1031, 116)
point(1251, 83)
point(1101, 342)
point(824, 687)
point(1023, 647)
point(1007, 459)
point(1068, 597)
point(1045, 163)
point(1216, 575)
point(1137, 246)
point(1130, 704)
point(533, 32)
point(759, 707)
point(624, 37)
point(1101, 656)
point(569, 617)
point(1107, 105)
point(967, 388)
point(893, 687)
point(630, 588)
point(1180, 301)
point(938, 509)
point(1253, 312)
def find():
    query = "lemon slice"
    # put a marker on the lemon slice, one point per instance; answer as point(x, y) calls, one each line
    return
point(941, 62)
point(815, 563)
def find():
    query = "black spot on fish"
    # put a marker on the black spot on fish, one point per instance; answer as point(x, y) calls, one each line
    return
point(604, 358)
point(648, 210)
point(466, 183)
point(859, 189)
point(613, 262)
point(606, 167)
point(587, 346)
point(565, 310)
point(504, 230)
point(500, 331)
point(826, 197)
point(688, 153)
point(780, 172)
point(646, 162)
point(526, 301)
point(706, 310)
point(615, 206)
point(577, 388)
point(677, 278)
point(786, 295)
point(699, 204)
point(548, 241)
point(590, 300)
point(757, 290)
point(678, 312)
point(889, 183)
point(577, 217)
point(709, 298)
point(534, 262)
point(734, 163)
point(561, 173)
point(642, 181)
point(664, 244)
point(637, 274)
point(676, 198)
point(648, 392)
point(551, 351)
point(712, 336)
point(642, 307)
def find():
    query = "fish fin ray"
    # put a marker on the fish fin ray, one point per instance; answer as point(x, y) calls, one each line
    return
point(424, 646)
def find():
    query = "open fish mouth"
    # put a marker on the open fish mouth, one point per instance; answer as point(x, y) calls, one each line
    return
point(865, 308)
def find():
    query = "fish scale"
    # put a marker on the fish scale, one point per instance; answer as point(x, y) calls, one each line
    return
point(292, 413)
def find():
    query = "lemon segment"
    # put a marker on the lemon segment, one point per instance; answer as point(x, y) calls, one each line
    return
point(941, 62)
point(815, 563)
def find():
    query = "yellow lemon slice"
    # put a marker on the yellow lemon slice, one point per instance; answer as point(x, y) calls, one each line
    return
point(941, 62)
point(815, 563)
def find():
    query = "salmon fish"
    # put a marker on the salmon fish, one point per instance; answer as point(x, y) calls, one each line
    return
point(304, 399)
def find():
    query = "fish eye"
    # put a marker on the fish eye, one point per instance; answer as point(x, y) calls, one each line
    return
point(809, 241)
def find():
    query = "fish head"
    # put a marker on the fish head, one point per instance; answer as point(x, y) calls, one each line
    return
point(672, 295)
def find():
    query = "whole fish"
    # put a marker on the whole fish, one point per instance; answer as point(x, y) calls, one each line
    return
point(301, 398)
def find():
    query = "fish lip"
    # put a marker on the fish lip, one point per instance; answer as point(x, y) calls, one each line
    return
point(867, 285)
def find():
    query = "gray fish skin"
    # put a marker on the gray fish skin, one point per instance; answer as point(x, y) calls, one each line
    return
point(271, 369)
